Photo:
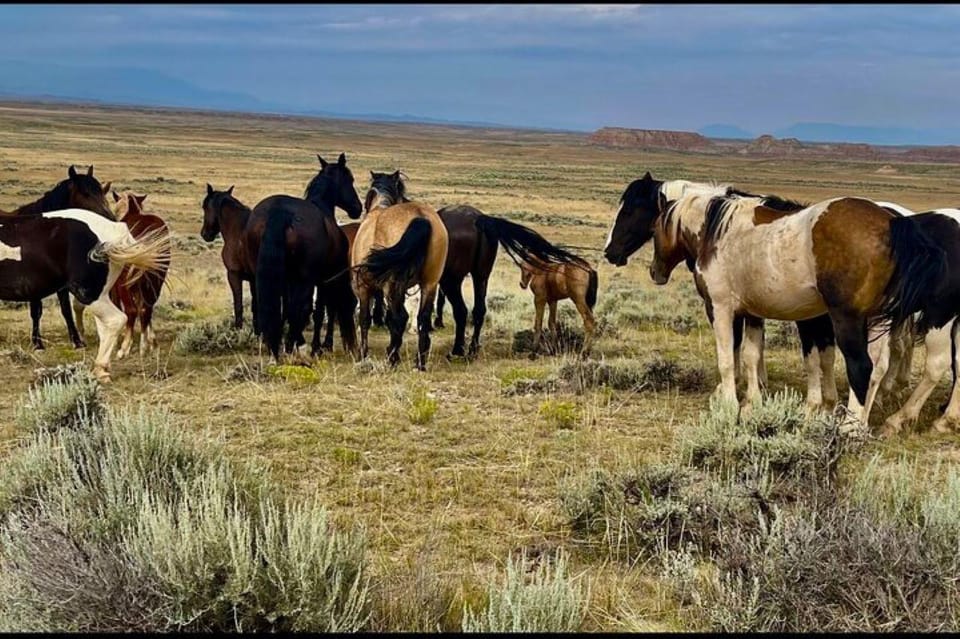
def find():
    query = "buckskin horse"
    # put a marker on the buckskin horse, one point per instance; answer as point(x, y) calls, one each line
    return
point(79, 251)
point(303, 248)
point(137, 298)
point(551, 283)
point(78, 191)
point(474, 238)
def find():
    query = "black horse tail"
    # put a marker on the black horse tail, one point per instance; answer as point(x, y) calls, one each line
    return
point(404, 260)
point(271, 278)
point(919, 265)
point(523, 243)
point(592, 286)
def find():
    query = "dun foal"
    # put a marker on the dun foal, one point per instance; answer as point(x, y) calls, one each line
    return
point(551, 283)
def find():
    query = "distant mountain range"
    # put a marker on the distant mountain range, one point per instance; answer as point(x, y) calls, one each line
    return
point(832, 132)
point(144, 87)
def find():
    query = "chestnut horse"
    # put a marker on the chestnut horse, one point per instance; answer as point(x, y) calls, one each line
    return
point(474, 238)
point(303, 249)
point(551, 283)
point(396, 248)
point(137, 298)
point(242, 230)
point(78, 191)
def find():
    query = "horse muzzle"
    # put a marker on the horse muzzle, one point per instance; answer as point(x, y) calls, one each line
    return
point(658, 277)
point(616, 259)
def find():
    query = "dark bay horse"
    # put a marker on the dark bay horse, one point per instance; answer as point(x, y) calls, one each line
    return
point(242, 231)
point(303, 248)
point(78, 191)
point(136, 298)
point(79, 251)
point(474, 238)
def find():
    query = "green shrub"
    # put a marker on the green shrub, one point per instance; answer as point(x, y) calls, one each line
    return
point(548, 602)
point(657, 373)
point(421, 407)
point(63, 397)
point(127, 524)
point(214, 338)
point(560, 414)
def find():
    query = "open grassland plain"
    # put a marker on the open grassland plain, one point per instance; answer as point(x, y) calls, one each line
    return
point(453, 471)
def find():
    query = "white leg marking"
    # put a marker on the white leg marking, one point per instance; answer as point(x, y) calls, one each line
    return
point(937, 343)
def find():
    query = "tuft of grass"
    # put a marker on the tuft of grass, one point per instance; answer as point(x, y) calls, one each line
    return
point(549, 601)
point(214, 338)
point(296, 374)
point(522, 381)
point(559, 414)
point(657, 373)
point(422, 407)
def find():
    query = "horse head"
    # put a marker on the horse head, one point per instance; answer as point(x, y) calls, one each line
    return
point(640, 205)
point(211, 205)
point(386, 189)
point(84, 191)
point(333, 186)
point(127, 204)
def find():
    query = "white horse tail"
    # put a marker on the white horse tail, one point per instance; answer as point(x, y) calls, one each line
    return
point(150, 253)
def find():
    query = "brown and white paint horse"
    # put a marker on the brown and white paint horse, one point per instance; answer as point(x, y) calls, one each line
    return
point(137, 298)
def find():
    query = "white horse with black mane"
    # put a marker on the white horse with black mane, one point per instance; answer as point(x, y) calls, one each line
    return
point(82, 251)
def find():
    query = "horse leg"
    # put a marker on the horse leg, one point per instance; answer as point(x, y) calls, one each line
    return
point(937, 345)
point(539, 303)
point(63, 296)
point(762, 364)
point(364, 298)
point(459, 315)
point(396, 321)
point(378, 309)
point(901, 357)
point(332, 311)
point(751, 357)
point(723, 328)
point(738, 323)
point(36, 312)
point(851, 332)
point(589, 325)
point(440, 300)
point(479, 311)
point(318, 307)
point(552, 324)
point(950, 420)
point(236, 287)
point(816, 337)
point(253, 307)
point(301, 295)
point(127, 344)
point(146, 329)
point(427, 295)
point(109, 320)
point(345, 303)
point(78, 309)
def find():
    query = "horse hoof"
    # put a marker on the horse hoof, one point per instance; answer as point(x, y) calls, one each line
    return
point(38, 346)
point(944, 425)
point(79, 345)
point(438, 324)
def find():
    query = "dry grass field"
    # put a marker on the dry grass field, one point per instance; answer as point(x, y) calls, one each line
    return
point(459, 489)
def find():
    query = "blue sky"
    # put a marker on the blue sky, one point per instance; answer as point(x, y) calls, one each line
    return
point(581, 67)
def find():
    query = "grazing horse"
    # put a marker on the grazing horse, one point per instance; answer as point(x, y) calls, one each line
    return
point(303, 248)
point(242, 231)
point(551, 283)
point(79, 251)
point(474, 238)
point(137, 298)
point(672, 213)
point(396, 248)
point(78, 191)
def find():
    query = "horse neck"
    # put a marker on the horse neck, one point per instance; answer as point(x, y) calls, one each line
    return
point(53, 200)
point(233, 221)
point(323, 195)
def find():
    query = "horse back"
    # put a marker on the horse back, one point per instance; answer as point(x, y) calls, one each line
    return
point(465, 241)
point(384, 227)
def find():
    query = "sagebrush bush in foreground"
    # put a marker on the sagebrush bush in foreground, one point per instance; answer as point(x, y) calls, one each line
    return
point(63, 397)
point(125, 524)
point(214, 338)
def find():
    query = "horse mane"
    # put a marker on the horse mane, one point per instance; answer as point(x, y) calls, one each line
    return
point(54, 199)
point(688, 206)
point(384, 184)
point(315, 185)
point(673, 190)
point(723, 210)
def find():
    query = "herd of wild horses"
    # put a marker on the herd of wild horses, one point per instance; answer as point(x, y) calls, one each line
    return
point(869, 277)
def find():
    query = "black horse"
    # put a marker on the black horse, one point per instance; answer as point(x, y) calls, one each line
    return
point(474, 238)
point(78, 191)
point(303, 248)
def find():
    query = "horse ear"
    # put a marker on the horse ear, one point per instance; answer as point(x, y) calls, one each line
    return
point(140, 198)
point(323, 163)
point(71, 172)
point(396, 174)
point(209, 189)
point(647, 177)
point(116, 198)
point(106, 187)
point(342, 160)
point(90, 171)
point(230, 190)
point(373, 175)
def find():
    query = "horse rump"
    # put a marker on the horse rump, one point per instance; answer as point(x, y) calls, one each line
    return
point(920, 264)
point(403, 261)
